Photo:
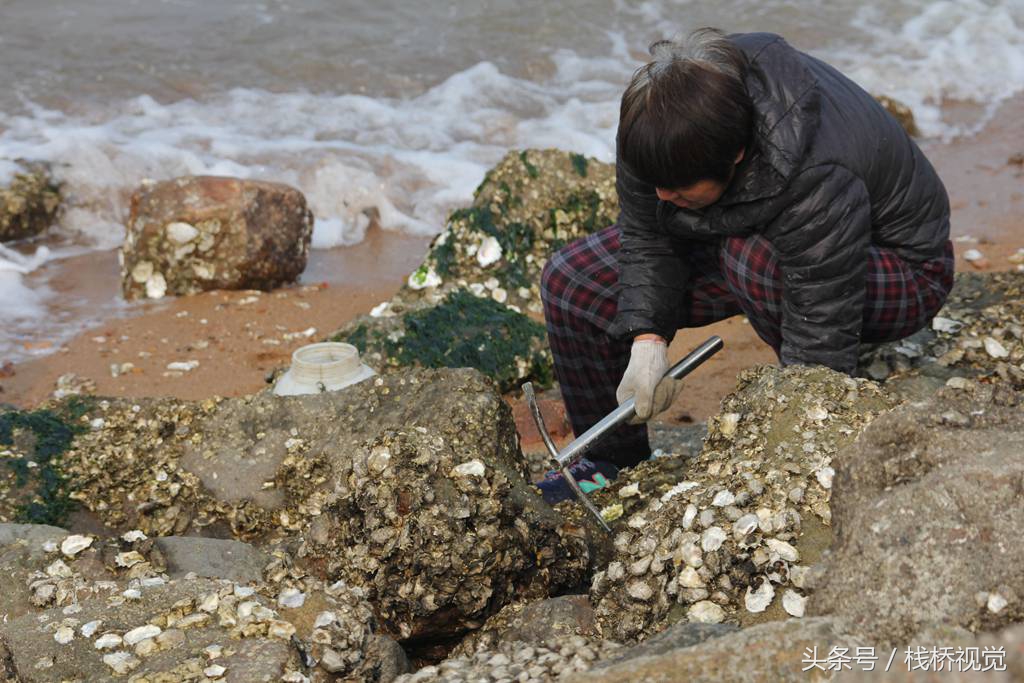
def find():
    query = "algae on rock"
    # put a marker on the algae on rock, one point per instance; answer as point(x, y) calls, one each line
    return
point(32, 487)
point(483, 272)
point(462, 331)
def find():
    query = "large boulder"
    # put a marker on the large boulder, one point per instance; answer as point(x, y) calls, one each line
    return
point(927, 509)
point(466, 305)
point(29, 200)
point(411, 486)
point(730, 535)
point(199, 233)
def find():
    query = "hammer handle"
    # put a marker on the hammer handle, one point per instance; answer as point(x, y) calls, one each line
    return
point(627, 409)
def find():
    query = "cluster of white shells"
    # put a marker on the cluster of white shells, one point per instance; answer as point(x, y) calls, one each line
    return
point(181, 246)
point(726, 540)
point(517, 661)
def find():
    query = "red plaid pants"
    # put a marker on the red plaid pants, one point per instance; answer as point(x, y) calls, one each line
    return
point(738, 275)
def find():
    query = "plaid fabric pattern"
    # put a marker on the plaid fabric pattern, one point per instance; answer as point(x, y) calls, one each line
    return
point(579, 289)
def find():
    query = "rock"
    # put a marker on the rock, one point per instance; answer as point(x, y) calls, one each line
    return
point(768, 652)
point(534, 622)
point(777, 438)
point(198, 233)
point(482, 274)
point(29, 203)
point(156, 628)
point(901, 112)
point(927, 515)
point(357, 476)
point(675, 637)
point(30, 638)
point(212, 558)
point(996, 658)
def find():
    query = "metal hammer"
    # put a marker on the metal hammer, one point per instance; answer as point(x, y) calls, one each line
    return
point(568, 456)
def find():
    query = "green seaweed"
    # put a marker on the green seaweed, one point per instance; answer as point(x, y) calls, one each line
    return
point(54, 431)
point(468, 331)
point(531, 170)
point(356, 338)
point(579, 162)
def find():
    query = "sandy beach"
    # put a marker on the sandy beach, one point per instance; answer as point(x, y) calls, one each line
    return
point(238, 337)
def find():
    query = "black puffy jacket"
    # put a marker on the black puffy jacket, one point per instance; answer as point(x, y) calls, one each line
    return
point(829, 172)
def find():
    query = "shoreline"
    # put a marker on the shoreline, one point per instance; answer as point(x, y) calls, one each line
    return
point(248, 334)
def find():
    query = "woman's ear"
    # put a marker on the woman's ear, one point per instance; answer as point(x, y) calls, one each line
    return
point(739, 157)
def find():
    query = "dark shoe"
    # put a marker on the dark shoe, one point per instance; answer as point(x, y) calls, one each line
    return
point(591, 475)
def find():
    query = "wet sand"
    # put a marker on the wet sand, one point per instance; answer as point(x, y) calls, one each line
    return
point(237, 337)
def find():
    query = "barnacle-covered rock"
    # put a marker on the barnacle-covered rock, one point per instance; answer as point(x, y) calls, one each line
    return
point(928, 515)
point(29, 203)
point(769, 652)
point(735, 525)
point(411, 486)
point(978, 334)
point(529, 205)
point(198, 233)
point(112, 609)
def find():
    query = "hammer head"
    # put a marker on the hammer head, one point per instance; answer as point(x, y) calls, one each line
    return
point(564, 469)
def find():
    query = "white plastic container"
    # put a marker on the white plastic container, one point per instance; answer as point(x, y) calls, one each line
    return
point(327, 366)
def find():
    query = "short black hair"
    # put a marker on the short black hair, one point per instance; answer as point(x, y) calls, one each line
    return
point(686, 115)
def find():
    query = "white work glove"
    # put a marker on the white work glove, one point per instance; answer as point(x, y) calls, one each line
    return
point(645, 380)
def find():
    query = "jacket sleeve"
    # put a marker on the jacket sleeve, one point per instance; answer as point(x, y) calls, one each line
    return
point(822, 242)
point(652, 278)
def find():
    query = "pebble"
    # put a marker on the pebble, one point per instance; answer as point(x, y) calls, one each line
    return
point(214, 671)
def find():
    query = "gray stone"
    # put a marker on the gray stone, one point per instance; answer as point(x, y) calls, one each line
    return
point(675, 637)
point(768, 652)
point(927, 512)
point(32, 536)
point(389, 660)
point(212, 558)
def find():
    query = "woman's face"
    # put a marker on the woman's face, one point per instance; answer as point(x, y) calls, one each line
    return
point(695, 197)
point(701, 194)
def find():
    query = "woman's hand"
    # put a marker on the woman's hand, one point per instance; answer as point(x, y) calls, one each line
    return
point(645, 381)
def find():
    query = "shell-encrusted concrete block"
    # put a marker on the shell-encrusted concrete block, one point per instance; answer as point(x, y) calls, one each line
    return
point(198, 233)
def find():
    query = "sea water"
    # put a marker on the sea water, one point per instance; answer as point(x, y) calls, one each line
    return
point(398, 108)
